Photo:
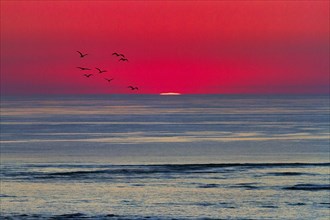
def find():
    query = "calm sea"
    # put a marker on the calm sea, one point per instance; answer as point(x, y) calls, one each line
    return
point(165, 157)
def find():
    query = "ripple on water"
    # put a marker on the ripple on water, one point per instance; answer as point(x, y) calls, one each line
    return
point(308, 187)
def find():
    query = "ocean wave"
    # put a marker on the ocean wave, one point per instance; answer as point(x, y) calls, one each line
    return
point(248, 186)
point(102, 170)
point(210, 185)
point(309, 187)
point(78, 215)
point(297, 204)
point(6, 196)
point(177, 166)
point(290, 174)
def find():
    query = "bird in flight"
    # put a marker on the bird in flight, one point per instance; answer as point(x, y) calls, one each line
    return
point(123, 59)
point(109, 80)
point(133, 88)
point(81, 54)
point(83, 68)
point(101, 71)
point(118, 54)
point(88, 75)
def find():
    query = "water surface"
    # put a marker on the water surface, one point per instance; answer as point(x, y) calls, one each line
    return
point(165, 157)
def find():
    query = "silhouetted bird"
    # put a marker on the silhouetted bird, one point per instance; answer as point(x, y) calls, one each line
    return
point(118, 54)
point(109, 80)
point(123, 59)
point(101, 71)
point(88, 75)
point(133, 88)
point(81, 54)
point(83, 68)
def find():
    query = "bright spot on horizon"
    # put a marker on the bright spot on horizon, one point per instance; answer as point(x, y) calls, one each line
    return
point(170, 93)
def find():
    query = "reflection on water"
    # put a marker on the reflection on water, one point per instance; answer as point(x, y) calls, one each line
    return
point(221, 126)
point(168, 191)
point(128, 156)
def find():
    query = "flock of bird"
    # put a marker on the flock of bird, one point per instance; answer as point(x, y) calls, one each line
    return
point(122, 58)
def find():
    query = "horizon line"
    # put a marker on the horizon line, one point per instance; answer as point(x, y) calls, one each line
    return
point(162, 94)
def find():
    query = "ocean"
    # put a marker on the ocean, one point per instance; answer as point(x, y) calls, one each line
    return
point(165, 157)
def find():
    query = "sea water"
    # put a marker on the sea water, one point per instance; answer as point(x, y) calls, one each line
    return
point(165, 157)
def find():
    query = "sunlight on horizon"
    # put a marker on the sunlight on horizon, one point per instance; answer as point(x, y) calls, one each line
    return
point(170, 93)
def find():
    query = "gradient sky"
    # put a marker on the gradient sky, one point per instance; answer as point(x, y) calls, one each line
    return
point(220, 47)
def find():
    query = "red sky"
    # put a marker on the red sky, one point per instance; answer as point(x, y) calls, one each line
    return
point(173, 46)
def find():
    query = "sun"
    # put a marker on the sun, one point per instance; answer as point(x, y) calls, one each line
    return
point(170, 93)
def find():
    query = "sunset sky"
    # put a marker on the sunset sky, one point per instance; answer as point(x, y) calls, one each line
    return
point(190, 47)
